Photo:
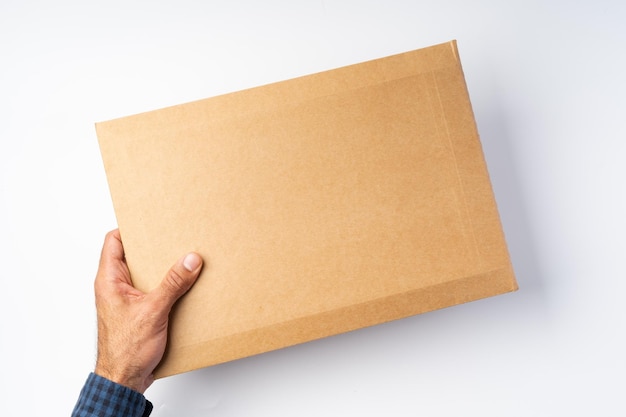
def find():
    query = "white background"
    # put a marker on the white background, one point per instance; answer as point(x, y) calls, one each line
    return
point(547, 81)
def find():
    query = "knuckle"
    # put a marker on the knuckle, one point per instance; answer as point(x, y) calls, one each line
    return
point(175, 282)
point(110, 235)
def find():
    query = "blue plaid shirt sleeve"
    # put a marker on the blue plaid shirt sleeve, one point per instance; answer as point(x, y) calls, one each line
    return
point(103, 398)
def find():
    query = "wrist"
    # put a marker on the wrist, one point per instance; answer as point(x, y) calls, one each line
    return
point(120, 376)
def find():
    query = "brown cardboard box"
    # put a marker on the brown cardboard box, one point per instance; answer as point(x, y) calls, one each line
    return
point(321, 205)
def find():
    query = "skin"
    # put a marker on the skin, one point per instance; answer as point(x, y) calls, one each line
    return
point(132, 325)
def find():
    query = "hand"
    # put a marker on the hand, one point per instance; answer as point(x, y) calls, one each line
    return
point(132, 325)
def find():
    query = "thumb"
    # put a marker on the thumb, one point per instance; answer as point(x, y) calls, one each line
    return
point(179, 279)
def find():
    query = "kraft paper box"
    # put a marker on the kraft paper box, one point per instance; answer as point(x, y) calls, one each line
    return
point(321, 204)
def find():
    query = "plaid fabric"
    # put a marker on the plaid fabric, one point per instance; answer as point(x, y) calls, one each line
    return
point(103, 398)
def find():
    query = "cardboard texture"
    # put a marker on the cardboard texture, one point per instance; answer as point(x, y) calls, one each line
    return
point(320, 204)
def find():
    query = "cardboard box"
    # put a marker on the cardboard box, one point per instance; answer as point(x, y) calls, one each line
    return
point(321, 205)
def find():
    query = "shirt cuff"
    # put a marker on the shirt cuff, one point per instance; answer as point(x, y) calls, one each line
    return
point(102, 397)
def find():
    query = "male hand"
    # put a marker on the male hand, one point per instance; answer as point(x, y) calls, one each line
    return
point(132, 325)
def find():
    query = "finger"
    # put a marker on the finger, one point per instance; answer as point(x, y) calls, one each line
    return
point(113, 260)
point(112, 249)
point(179, 279)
